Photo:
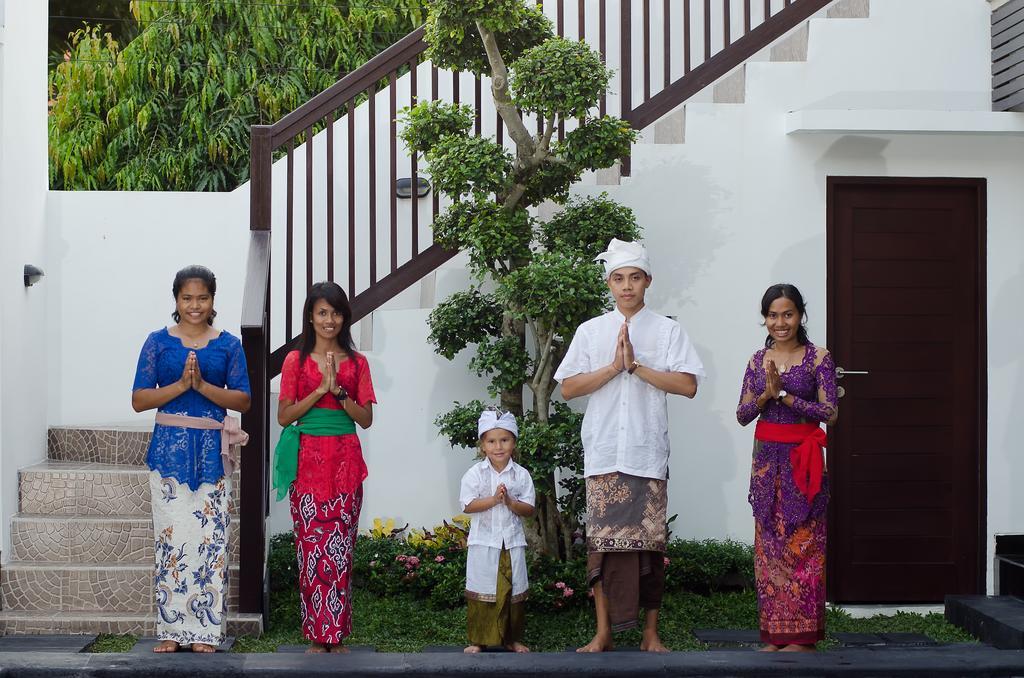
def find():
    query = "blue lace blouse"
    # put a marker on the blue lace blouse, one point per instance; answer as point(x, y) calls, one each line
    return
point(190, 456)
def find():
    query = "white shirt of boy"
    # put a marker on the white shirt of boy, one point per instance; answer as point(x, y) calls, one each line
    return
point(625, 428)
point(496, 527)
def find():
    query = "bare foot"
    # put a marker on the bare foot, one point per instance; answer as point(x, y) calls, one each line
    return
point(770, 648)
point(598, 644)
point(317, 648)
point(474, 649)
point(652, 642)
point(798, 648)
point(167, 646)
point(338, 649)
point(203, 648)
point(517, 647)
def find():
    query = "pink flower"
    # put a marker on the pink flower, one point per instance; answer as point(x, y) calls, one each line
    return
point(439, 559)
point(567, 592)
point(400, 559)
point(560, 585)
point(667, 561)
point(408, 566)
point(373, 563)
point(413, 560)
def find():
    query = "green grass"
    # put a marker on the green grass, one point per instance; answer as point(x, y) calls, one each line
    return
point(109, 642)
point(404, 624)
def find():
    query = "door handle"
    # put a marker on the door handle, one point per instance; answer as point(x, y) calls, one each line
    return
point(842, 372)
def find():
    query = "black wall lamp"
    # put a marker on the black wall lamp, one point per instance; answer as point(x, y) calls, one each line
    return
point(32, 275)
point(403, 187)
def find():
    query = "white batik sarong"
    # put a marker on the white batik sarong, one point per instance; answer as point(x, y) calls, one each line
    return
point(191, 577)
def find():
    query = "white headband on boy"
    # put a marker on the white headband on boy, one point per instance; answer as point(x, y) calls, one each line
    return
point(621, 254)
point(490, 420)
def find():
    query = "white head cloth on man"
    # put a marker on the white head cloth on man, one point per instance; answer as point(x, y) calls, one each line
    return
point(622, 254)
point(492, 419)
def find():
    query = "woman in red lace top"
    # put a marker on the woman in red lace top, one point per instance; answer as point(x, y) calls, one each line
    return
point(326, 387)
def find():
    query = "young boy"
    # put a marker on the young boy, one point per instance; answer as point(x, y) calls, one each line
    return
point(498, 492)
point(616, 359)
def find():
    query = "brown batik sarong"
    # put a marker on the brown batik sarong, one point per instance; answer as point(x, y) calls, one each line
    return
point(626, 536)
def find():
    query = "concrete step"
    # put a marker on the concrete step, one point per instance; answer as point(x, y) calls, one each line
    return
point(89, 488)
point(20, 622)
point(90, 539)
point(63, 587)
point(108, 445)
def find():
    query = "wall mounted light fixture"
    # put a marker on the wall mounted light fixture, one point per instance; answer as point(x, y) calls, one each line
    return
point(403, 187)
point(32, 275)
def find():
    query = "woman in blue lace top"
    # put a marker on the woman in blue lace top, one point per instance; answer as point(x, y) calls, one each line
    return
point(191, 373)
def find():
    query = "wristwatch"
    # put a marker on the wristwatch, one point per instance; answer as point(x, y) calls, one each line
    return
point(632, 368)
point(782, 394)
point(341, 395)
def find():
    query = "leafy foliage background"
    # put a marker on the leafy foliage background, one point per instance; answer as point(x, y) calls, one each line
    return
point(171, 109)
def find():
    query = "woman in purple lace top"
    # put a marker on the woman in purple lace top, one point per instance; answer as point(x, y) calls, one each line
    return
point(789, 387)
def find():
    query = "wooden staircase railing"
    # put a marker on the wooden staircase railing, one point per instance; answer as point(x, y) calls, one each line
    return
point(384, 243)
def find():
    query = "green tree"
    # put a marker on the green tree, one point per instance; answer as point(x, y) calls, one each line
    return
point(543, 277)
point(171, 109)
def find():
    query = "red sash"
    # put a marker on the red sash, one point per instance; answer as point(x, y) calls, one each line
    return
point(807, 459)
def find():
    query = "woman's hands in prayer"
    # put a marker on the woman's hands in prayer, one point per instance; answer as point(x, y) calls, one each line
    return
point(329, 372)
point(191, 376)
point(772, 381)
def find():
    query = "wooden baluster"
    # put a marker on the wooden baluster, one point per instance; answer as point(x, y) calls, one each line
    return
point(478, 100)
point(560, 17)
point(309, 207)
point(746, 16)
point(372, 113)
point(686, 36)
point(726, 28)
point(392, 112)
point(289, 240)
point(626, 82)
point(602, 33)
point(767, 9)
point(351, 198)
point(707, 29)
point(414, 203)
point(666, 20)
point(434, 96)
point(581, 16)
point(647, 49)
point(330, 194)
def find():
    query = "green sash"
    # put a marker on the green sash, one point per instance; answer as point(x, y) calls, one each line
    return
point(319, 421)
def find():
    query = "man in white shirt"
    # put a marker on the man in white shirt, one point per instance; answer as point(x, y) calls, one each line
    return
point(627, 361)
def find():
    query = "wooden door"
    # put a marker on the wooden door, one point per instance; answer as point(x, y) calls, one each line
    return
point(906, 305)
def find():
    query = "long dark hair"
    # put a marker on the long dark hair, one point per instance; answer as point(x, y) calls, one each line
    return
point(335, 296)
point(194, 272)
point(786, 291)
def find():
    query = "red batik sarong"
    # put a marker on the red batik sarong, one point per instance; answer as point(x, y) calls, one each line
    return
point(325, 539)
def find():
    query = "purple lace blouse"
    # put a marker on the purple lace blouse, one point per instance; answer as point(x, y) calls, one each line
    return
point(812, 383)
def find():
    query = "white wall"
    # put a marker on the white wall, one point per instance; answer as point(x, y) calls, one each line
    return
point(113, 257)
point(738, 206)
point(23, 177)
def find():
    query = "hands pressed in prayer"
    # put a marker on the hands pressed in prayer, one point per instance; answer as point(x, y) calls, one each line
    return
point(773, 382)
point(196, 374)
point(628, 356)
point(501, 495)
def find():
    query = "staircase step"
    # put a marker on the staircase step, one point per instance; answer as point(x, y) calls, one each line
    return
point(90, 539)
point(18, 622)
point(63, 587)
point(108, 445)
point(89, 488)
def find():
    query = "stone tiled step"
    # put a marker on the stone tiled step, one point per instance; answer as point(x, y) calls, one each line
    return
point(109, 445)
point(17, 622)
point(88, 488)
point(63, 587)
point(90, 539)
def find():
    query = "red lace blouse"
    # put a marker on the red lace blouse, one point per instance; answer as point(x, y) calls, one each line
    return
point(329, 466)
